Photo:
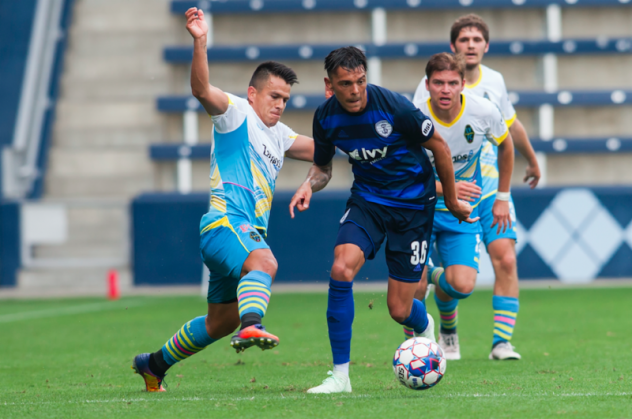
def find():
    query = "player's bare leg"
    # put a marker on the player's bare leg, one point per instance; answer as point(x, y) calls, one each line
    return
point(253, 295)
point(503, 256)
point(348, 259)
point(458, 284)
point(421, 293)
point(407, 310)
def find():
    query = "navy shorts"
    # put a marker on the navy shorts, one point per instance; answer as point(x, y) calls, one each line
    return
point(407, 231)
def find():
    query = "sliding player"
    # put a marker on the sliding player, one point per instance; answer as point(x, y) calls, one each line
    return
point(470, 36)
point(392, 197)
point(249, 145)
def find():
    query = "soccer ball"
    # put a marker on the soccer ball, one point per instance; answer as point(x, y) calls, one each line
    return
point(419, 363)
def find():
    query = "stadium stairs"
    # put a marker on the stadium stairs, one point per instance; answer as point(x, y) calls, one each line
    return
point(106, 118)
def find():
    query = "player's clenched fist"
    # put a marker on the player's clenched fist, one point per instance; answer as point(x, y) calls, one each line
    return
point(462, 211)
point(301, 198)
point(196, 25)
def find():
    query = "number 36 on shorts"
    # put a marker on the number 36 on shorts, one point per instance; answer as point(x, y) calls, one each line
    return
point(420, 251)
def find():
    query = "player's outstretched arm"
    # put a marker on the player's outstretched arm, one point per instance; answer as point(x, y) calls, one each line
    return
point(302, 149)
point(524, 147)
point(500, 210)
point(443, 163)
point(317, 178)
point(214, 101)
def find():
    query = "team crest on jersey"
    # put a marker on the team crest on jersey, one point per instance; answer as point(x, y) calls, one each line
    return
point(469, 133)
point(384, 128)
point(256, 237)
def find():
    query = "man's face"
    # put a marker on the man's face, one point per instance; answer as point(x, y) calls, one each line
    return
point(445, 89)
point(349, 86)
point(472, 45)
point(269, 99)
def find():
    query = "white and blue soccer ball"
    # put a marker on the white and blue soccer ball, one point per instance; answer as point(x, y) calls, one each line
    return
point(419, 363)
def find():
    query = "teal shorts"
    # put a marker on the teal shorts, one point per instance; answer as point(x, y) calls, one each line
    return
point(450, 247)
point(225, 244)
point(487, 218)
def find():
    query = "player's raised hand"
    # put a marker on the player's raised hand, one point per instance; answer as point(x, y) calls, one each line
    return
point(532, 176)
point(301, 198)
point(468, 191)
point(502, 216)
point(196, 25)
point(462, 212)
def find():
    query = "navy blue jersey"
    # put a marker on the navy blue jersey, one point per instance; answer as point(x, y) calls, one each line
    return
point(390, 166)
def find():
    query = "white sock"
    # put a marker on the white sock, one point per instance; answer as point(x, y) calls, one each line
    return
point(342, 368)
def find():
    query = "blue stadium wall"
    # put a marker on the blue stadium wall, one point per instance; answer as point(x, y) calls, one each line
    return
point(575, 235)
point(9, 243)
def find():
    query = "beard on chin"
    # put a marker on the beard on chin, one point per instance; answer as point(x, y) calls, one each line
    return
point(470, 67)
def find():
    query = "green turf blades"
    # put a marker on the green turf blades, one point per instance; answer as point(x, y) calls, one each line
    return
point(561, 334)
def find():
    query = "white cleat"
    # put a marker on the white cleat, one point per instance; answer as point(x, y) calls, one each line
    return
point(504, 351)
point(429, 332)
point(449, 342)
point(337, 382)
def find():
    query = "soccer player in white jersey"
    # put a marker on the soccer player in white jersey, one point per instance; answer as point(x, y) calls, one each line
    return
point(469, 36)
point(466, 122)
point(248, 150)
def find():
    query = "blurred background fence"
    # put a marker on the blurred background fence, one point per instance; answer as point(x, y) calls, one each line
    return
point(105, 153)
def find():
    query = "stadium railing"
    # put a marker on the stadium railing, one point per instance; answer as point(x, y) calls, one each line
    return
point(562, 98)
point(172, 152)
point(413, 50)
point(295, 6)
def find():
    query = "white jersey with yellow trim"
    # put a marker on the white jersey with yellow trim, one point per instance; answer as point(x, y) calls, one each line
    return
point(490, 85)
point(246, 158)
point(478, 122)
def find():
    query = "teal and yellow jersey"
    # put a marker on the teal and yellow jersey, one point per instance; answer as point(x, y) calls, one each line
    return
point(490, 85)
point(478, 123)
point(246, 158)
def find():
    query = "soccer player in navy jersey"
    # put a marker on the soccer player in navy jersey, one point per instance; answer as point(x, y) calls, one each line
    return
point(392, 197)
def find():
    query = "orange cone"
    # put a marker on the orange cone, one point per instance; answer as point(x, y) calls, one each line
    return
point(114, 292)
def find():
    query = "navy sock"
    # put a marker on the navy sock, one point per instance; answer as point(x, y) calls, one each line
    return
point(418, 318)
point(340, 313)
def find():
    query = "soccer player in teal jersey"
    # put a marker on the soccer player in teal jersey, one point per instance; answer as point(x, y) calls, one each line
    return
point(248, 150)
point(469, 36)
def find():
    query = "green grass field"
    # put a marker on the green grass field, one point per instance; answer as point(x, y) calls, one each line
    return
point(71, 358)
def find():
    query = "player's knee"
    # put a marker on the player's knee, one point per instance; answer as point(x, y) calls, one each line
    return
point(340, 271)
point(398, 312)
point(264, 262)
point(464, 284)
point(505, 262)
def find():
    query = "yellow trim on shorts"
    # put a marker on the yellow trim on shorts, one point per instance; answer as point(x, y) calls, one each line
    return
point(223, 222)
point(511, 120)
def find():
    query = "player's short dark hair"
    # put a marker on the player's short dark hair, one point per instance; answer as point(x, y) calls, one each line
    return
point(272, 68)
point(446, 61)
point(469, 21)
point(348, 58)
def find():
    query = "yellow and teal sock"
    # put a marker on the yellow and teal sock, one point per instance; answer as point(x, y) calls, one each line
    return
point(448, 314)
point(187, 341)
point(505, 313)
point(253, 295)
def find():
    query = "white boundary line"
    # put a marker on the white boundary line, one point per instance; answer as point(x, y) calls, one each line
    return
point(65, 311)
point(317, 397)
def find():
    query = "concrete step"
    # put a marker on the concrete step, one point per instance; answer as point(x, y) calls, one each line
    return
point(107, 137)
point(97, 162)
point(130, 66)
point(107, 187)
point(87, 250)
point(65, 281)
point(119, 90)
point(120, 16)
point(111, 114)
point(91, 44)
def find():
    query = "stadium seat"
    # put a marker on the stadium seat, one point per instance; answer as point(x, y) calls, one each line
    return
point(522, 98)
point(183, 54)
point(295, 6)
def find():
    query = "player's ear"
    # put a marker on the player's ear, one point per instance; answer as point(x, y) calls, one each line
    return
point(252, 94)
point(453, 48)
point(486, 47)
point(427, 84)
